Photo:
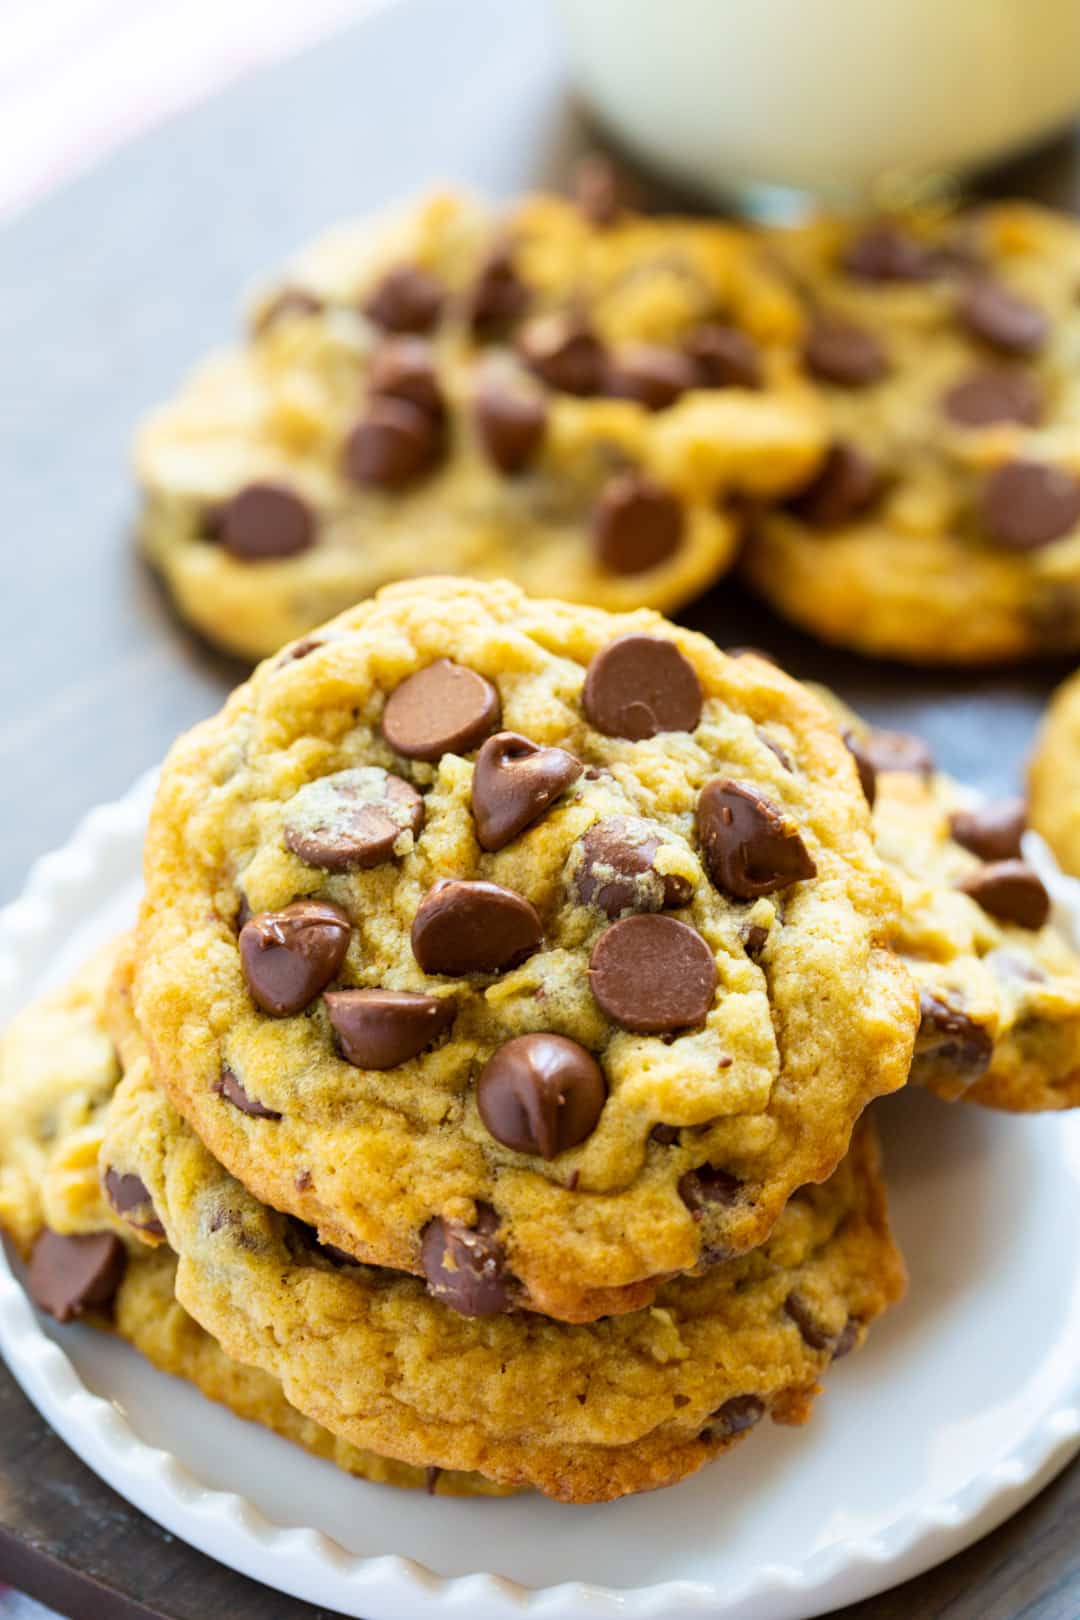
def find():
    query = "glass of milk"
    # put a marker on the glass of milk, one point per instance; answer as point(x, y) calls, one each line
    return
point(849, 100)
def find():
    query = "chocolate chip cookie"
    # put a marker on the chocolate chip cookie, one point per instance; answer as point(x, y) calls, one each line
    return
point(561, 399)
point(999, 979)
point(1054, 776)
point(944, 525)
point(490, 938)
point(58, 1072)
point(583, 1412)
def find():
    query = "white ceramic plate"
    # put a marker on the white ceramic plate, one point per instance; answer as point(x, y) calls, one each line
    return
point(963, 1404)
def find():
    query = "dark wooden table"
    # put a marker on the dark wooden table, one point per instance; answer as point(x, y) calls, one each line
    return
point(107, 291)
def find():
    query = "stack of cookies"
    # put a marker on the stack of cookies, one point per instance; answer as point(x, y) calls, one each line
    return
point(480, 1099)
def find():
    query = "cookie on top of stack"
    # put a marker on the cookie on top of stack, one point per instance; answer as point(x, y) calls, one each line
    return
point(509, 985)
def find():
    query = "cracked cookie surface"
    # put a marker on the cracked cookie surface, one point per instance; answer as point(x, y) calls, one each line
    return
point(945, 523)
point(583, 1412)
point(527, 394)
point(545, 1026)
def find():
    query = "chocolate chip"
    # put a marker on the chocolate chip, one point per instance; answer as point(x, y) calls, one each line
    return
point(263, 521)
point(813, 1334)
point(289, 956)
point(742, 1412)
point(618, 872)
point(652, 974)
point(1001, 318)
point(636, 524)
point(541, 1094)
point(465, 1266)
point(564, 351)
point(431, 1480)
point(751, 846)
point(665, 1135)
point(1026, 504)
point(463, 927)
point(404, 368)
point(839, 351)
point(291, 301)
point(378, 1029)
point(407, 299)
point(229, 1087)
point(130, 1197)
point(994, 394)
point(444, 708)
point(847, 483)
point(393, 444)
point(849, 1338)
point(243, 913)
point(708, 1185)
point(70, 1275)
point(1011, 891)
point(774, 748)
point(950, 1040)
point(596, 190)
point(498, 297)
point(651, 375)
point(638, 686)
point(298, 650)
point(513, 783)
point(991, 831)
point(509, 424)
point(724, 357)
point(877, 750)
point(885, 252)
point(353, 819)
point(755, 937)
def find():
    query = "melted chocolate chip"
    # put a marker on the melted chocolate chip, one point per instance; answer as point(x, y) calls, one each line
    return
point(707, 1185)
point(813, 1333)
point(949, 1040)
point(838, 351)
point(510, 425)
point(404, 368)
point(1027, 504)
point(991, 831)
point(71, 1275)
point(774, 748)
point(265, 521)
point(849, 1338)
point(994, 394)
point(444, 708)
point(847, 483)
point(353, 819)
point(130, 1197)
point(618, 873)
point(652, 975)
point(755, 937)
point(407, 299)
point(751, 846)
point(651, 375)
point(724, 357)
point(636, 524)
point(499, 297)
point(465, 1266)
point(886, 252)
point(876, 751)
point(541, 1094)
point(1001, 318)
point(514, 782)
point(1011, 891)
point(563, 351)
point(742, 1412)
point(229, 1087)
point(379, 1029)
point(289, 956)
point(465, 927)
point(393, 444)
point(665, 1135)
point(638, 686)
